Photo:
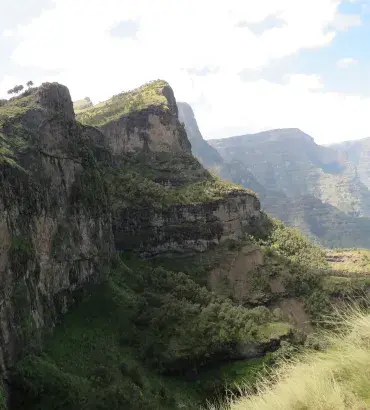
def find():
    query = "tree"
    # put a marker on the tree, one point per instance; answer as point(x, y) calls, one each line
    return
point(18, 88)
point(29, 83)
point(11, 91)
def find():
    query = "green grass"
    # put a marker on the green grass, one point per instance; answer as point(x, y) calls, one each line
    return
point(336, 378)
point(16, 107)
point(150, 94)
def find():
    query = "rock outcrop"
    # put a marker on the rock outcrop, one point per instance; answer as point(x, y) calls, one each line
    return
point(143, 120)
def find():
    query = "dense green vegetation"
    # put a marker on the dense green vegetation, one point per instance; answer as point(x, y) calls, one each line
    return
point(152, 337)
point(128, 335)
point(150, 94)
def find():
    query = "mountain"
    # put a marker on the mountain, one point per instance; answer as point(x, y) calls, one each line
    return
point(314, 188)
point(132, 277)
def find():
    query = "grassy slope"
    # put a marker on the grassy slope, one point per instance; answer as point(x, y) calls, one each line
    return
point(337, 378)
point(349, 277)
point(9, 111)
point(149, 94)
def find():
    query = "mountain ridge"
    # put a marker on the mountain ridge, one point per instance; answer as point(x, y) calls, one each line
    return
point(290, 172)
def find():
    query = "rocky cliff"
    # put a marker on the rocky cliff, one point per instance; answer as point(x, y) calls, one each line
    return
point(55, 231)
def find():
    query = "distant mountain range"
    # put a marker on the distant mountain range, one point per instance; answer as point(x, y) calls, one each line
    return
point(322, 190)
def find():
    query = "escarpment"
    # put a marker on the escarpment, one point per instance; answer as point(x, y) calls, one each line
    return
point(72, 194)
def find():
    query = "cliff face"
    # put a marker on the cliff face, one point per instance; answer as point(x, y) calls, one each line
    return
point(206, 154)
point(52, 241)
point(186, 228)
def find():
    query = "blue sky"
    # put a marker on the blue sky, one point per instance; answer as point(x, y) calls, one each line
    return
point(244, 66)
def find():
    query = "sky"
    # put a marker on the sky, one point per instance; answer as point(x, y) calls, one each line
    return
point(243, 65)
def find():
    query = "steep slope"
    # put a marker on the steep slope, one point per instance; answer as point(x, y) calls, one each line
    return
point(178, 206)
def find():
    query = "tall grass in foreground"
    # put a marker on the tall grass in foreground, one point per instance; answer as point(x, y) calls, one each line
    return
point(334, 379)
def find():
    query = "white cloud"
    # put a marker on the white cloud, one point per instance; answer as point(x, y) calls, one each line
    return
point(346, 62)
point(175, 36)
